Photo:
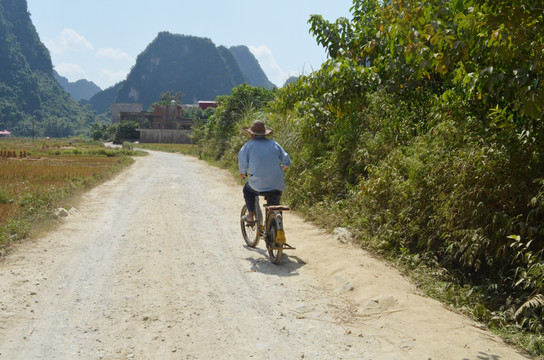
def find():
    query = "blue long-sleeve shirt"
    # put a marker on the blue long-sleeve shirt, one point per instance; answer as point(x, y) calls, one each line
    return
point(262, 158)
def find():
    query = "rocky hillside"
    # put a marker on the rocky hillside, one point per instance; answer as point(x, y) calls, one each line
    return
point(81, 89)
point(253, 72)
point(193, 65)
point(31, 100)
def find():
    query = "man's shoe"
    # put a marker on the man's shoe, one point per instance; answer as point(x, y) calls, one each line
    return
point(245, 218)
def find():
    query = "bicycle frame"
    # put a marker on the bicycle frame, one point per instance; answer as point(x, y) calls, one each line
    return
point(272, 212)
point(268, 225)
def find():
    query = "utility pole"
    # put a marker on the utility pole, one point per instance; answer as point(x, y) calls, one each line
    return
point(33, 121)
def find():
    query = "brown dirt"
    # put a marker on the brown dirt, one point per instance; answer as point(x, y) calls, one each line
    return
point(153, 266)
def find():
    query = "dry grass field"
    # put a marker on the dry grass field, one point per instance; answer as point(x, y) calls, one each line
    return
point(37, 177)
point(188, 149)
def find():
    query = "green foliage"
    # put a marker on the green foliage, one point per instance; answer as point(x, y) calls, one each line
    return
point(222, 125)
point(423, 133)
point(31, 101)
point(125, 130)
point(167, 97)
point(491, 51)
point(197, 113)
point(4, 197)
point(450, 139)
point(100, 132)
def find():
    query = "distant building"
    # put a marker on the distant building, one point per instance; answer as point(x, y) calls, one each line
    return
point(118, 108)
point(167, 124)
point(170, 117)
point(5, 133)
point(207, 104)
point(142, 117)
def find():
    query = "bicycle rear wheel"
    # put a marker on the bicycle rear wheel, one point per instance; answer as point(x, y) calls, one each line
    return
point(250, 232)
point(275, 250)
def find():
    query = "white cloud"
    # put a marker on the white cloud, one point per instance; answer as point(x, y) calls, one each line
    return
point(114, 54)
point(270, 65)
point(69, 40)
point(111, 77)
point(72, 72)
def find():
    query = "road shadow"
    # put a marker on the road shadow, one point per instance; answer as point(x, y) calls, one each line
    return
point(288, 266)
point(485, 356)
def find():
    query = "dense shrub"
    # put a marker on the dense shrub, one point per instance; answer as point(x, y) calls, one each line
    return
point(424, 135)
point(213, 134)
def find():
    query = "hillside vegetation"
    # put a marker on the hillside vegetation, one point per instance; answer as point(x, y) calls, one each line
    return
point(31, 100)
point(423, 134)
point(192, 65)
point(79, 90)
point(249, 64)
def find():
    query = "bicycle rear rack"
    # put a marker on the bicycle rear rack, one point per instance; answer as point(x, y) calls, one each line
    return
point(277, 207)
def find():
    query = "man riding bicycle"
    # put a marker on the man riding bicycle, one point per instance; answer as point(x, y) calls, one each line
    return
point(264, 160)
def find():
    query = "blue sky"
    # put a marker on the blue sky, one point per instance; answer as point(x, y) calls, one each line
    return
point(99, 40)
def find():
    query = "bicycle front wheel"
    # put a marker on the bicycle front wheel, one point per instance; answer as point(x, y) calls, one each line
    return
point(275, 250)
point(250, 232)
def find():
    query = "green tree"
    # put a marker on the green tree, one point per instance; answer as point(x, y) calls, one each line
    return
point(167, 97)
point(490, 51)
point(126, 130)
point(230, 109)
point(100, 132)
point(424, 132)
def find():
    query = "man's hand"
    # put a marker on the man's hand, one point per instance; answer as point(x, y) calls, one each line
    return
point(283, 167)
point(243, 176)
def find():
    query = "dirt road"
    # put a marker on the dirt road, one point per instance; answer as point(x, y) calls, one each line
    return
point(153, 266)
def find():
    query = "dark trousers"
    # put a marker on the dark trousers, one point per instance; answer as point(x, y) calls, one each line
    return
point(272, 197)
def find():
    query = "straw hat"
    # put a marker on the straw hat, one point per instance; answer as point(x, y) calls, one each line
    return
point(258, 128)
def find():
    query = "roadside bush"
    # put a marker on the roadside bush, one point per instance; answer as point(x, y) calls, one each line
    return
point(4, 198)
point(213, 134)
point(128, 146)
point(424, 135)
point(444, 185)
point(125, 130)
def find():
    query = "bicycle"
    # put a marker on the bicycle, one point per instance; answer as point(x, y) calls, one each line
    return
point(270, 228)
